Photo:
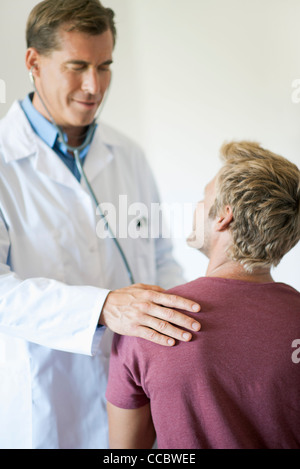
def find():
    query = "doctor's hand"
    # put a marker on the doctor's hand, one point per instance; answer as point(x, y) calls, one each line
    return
point(146, 311)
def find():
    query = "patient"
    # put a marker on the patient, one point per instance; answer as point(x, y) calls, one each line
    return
point(235, 384)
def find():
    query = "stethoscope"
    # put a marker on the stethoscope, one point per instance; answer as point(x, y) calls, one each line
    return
point(76, 151)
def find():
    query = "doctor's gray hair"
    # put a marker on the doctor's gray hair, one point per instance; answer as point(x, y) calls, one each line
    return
point(47, 17)
point(263, 190)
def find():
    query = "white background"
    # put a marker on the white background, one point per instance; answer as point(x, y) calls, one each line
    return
point(187, 76)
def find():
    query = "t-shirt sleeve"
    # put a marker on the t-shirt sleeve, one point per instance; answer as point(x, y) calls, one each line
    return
point(124, 388)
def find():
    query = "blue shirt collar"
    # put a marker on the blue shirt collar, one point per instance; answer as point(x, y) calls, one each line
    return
point(42, 127)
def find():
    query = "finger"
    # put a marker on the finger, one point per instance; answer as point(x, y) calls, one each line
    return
point(166, 329)
point(168, 315)
point(153, 336)
point(174, 301)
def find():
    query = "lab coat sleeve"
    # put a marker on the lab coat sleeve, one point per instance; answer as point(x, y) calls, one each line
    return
point(48, 312)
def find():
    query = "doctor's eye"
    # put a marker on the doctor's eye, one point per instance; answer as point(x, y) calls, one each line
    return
point(104, 68)
point(76, 66)
point(79, 68)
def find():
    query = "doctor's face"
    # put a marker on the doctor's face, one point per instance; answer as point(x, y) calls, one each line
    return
point(72, 81)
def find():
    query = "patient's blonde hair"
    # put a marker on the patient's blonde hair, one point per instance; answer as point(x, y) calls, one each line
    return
point(263, 190)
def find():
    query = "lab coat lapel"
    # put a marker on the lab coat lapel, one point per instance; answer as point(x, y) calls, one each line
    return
point(49, 163)
point(16, 135)
point(98, 157)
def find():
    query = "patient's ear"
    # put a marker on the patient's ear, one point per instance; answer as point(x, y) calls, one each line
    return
point(225, 219)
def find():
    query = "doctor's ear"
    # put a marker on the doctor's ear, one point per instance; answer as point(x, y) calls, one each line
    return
point(32, 60)
point(225, 219)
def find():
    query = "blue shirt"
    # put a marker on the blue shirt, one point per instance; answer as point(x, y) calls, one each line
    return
point(48, 133)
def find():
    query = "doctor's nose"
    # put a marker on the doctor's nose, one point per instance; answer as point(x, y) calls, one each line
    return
point(91, 82)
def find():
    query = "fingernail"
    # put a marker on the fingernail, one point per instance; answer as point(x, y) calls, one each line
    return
point(171, 342)
point(196, 326)
point(186, 336)
point(195, 308)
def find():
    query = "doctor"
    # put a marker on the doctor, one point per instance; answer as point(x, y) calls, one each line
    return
point(63, 289)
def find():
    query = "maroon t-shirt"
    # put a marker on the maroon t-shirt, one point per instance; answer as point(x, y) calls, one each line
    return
point(235, 385)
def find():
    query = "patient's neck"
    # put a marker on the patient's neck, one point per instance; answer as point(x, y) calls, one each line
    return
point(235, 271)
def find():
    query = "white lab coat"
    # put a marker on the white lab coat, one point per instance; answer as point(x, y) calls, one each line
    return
point(55, 274)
